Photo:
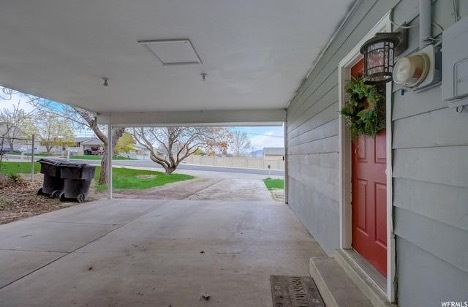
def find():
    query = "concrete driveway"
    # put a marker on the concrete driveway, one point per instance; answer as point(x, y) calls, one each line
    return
point(152, 253)
point(206, 186)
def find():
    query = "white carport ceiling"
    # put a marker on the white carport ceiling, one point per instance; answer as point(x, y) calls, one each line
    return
point(255, 52)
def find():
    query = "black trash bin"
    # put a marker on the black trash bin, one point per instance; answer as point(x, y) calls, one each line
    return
point(77, 179)
point(53, 183)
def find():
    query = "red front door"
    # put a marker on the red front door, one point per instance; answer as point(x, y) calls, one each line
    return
point(369, 199)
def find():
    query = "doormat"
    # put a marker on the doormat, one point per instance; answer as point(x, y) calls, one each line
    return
point(295, 291)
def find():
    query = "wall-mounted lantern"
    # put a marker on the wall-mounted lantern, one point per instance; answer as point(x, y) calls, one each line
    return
point(379, 53)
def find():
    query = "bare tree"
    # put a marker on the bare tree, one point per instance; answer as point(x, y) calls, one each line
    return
point(178, 143)
point(82, 119)
point(54, 131)
point(240, 143)
point(13, 123)
point(89, 120)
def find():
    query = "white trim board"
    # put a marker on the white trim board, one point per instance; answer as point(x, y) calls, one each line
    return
point(264, 117)
point(344, 74)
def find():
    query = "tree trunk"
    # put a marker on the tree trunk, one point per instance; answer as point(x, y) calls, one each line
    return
point(170, 169)
point(116, 134)
point(103, 176)
point(11, 143)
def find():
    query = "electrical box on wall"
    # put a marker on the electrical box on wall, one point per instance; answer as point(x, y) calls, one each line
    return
point(455, 64)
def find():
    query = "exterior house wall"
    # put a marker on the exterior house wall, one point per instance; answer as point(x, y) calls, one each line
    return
point(312, 132)
point(430, 168)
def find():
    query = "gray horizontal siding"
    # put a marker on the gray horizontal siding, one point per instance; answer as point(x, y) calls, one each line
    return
point(313, 187)
point(447, 204)
point(318, 170)
point(324, 131)
point(430, 188)
point(323, 87)
point(442, 165)
point(442, 240)
point(411, 103)
point(430, 168)
point(319, 104)
point(316, 209)
point(324, 116)
point(312, 132)
point(325, 145)
point(443, 127)
point(425, 280)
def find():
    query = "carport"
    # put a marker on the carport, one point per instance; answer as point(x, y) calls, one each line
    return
point(144, 63)
point(158, 63)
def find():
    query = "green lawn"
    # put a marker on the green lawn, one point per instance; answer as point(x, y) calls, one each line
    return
point(274, 184)
point(18, 167)
point(122, 178)
point(127, 178)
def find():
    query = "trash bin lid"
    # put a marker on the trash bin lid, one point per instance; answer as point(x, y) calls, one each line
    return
point(72, 165)
point(49, 161)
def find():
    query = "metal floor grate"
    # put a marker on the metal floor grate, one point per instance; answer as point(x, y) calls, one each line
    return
point(295, 291)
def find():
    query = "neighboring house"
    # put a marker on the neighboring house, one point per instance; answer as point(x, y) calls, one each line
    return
point(87, 146)
point(410, 221)
point(92, 146)
point(273, 153)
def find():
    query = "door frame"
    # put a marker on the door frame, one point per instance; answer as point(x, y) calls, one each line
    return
point(345, 158)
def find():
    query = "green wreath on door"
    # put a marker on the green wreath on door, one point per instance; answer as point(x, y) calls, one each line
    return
point(364, 109)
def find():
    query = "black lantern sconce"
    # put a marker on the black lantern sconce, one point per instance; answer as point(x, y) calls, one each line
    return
point(379, 53)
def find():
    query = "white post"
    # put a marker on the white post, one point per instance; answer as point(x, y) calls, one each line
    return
point(68, 154)
point(285, 160)
point(109, 160)
point(32, 157)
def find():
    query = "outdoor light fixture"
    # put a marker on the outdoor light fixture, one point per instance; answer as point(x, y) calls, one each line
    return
point(410, 71)
point(379, 53)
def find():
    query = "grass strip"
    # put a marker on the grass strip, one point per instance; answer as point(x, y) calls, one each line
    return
point(122, 178)
point(274, 184)
point(138, 179)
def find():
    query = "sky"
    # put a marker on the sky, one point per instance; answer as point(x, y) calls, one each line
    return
point(260, 136)
point(267, 136)
point(9, 104)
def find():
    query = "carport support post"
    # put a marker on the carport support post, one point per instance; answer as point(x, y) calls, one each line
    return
point(285, 159)
point(32, 156)
point(110, 151)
